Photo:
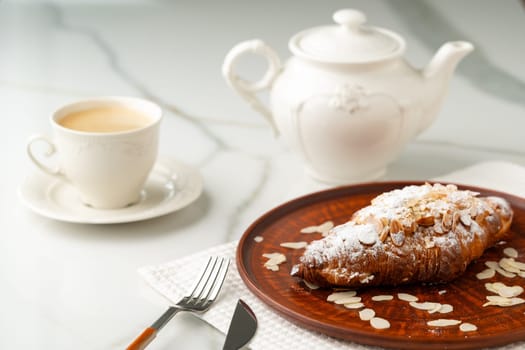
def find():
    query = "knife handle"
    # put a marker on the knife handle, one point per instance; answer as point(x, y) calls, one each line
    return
point(143, 339)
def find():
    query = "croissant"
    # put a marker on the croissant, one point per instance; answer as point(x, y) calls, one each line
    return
point(427, 234)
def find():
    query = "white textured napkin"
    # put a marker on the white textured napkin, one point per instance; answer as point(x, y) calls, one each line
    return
point(173, 278)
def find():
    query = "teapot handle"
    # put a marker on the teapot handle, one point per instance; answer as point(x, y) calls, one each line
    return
point(247, 89)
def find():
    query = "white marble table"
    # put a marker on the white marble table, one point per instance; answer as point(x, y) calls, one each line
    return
point(74, 286)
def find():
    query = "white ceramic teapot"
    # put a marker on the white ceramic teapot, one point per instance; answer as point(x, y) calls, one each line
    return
point(347, 101)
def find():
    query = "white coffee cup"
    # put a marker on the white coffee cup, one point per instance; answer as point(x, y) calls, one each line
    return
point(106, 148)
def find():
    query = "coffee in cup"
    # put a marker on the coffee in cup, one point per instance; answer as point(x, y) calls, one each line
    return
point(105, 119)
point(106, 148)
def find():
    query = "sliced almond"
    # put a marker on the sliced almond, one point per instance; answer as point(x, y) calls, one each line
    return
point(258, 239)
point(310, 229)
point(366, 314)
point(446, 308)
point(398, 238)
point(367, 237)
point(487, 273)
point(379, 323)
point(512, 263)
point(383, 235)
point(339, 295)
point(508, 264)
point(465, 219)
point(274, 260)
point(467, 327)
point(426, 221)
point(406, 297)
point(494, 287)
point(504, 290)
point(494, 265)
point(510, 252)
point(294, 245)
point(427, 305)
point(510, 292)
point(354, 305)
point(348, 300)
point(443, 322)
point(382, 297)
point(323, 228)
point(272, 267)
point(502, 301)
point(395, 226)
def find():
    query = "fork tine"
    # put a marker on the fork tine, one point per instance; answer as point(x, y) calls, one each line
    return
point(221, 276)
point(204, 276)
point(210, 281)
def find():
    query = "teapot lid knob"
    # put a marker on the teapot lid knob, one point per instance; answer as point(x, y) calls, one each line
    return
point(349, 18)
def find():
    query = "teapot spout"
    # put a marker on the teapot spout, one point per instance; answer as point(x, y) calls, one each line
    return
point(446, 59)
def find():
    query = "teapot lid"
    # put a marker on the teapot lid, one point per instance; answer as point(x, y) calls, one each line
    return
point(351, 41)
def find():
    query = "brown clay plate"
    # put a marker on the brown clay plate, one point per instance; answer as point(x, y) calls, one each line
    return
point(409, 330)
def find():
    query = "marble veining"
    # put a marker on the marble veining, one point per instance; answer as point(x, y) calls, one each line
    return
point(220, 146)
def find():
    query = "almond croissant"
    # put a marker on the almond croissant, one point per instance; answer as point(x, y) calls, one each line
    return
point(427, 233)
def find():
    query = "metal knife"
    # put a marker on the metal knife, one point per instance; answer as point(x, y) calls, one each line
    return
point(242, 327)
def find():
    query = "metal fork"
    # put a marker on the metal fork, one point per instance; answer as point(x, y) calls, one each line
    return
point(204, 293)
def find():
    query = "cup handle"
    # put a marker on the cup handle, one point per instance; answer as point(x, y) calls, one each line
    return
point(247, 90)
point(51, 149)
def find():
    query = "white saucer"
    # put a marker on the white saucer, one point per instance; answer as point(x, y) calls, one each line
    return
point(171, 185)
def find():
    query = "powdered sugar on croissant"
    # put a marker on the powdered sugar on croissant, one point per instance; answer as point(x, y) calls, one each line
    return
point(427, 233)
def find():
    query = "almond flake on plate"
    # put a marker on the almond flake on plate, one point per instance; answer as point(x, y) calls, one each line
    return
point(323, 228)
point(309, 229)
point(382, 297)
point(446, 308)
point(340, 295)
point(512, 263)
point(503, 290)
point(443, 322)
point(495, 266)
point(494, 287)
point(354, 305)
point(379, 323)
point(366, 314)
point(509, 265)
point(294, 245)
point(406, 297)
point(510, 291)
point(467, 327)
point(258, 239)
point(502, 301)
point(510, 252)
point(347, 300)
point(427, 306)
point(274, 260)
point(487, 273)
